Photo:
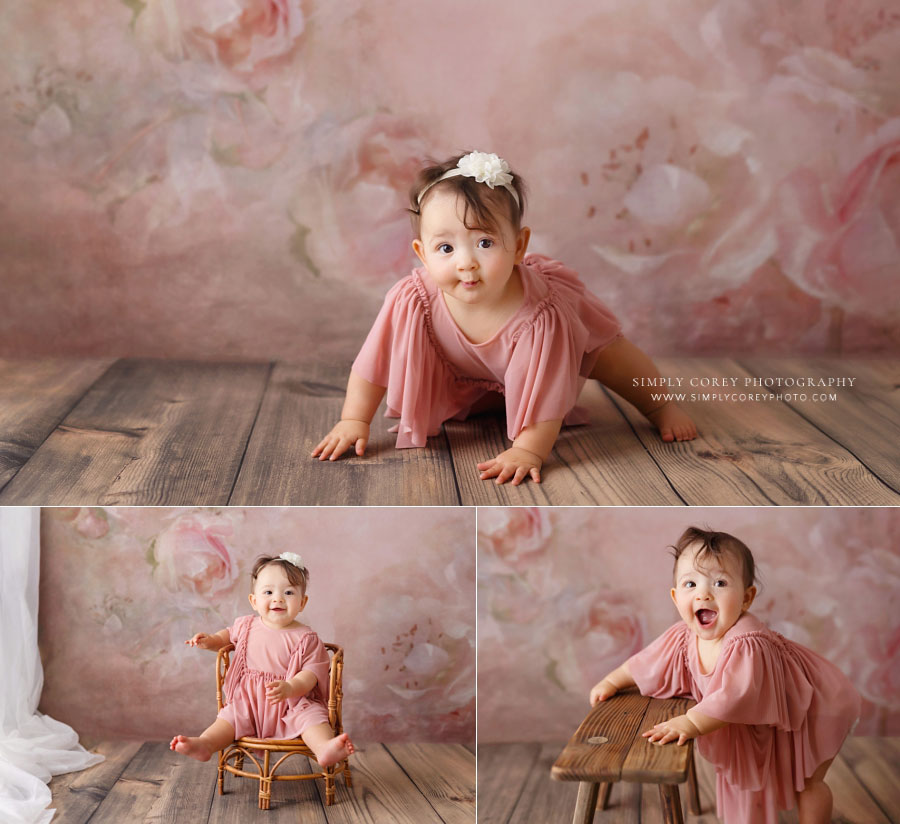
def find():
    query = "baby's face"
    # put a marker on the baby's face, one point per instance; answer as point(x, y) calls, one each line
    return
point(275, 598)
point(710, 595)
point(471, 265)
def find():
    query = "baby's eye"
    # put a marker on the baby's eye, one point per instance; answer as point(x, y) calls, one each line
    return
point(267, 592)
point(445, 248)
point(689, 584)
point(721, 582)
point(485, 243)
point(289, 592)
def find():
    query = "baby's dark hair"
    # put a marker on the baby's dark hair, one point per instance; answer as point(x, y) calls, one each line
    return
point(482, 203)
point(716, 545)
point(296, 576)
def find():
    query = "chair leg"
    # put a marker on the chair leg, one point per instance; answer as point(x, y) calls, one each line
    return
point(329, 786)
point(586, 803)
point(348, 780)
point(605, 790)
point(239, 761)
point(265, 784)
point(693, 789)
point(221, 781)
point(671, 804)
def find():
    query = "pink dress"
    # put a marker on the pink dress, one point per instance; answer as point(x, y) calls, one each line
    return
point(538, 360)
point(261, 655)
point(788, 709)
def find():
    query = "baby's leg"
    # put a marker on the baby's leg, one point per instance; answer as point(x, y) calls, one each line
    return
point(328, 747)
point(217, 735)
point(618, 365)
point(814, 803)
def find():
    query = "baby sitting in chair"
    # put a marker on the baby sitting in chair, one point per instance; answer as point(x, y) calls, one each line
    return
point(277, 684)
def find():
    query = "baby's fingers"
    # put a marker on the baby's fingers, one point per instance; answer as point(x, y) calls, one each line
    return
point(361, 446)
point(489, 469)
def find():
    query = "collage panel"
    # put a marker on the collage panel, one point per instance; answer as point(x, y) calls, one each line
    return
point(350, 664)
point(613, 678)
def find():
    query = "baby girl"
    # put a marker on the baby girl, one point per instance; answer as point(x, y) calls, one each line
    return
point(482, 319)
point(277, 683)
point(771, 715)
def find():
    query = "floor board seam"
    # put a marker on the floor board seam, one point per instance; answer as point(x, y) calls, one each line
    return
point(262, 397)
point(412, 781)
point(830, 437)
point(60, 420)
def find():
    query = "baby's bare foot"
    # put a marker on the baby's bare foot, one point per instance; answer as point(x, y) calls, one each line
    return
point(337, 749)
point(673, 423)
point(193, 747)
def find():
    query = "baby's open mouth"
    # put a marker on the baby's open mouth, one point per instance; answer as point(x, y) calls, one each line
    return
point(706, 616)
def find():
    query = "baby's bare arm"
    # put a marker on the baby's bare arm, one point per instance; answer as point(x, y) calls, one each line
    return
point(360, 405)
point(211, 642)
point(525, 457)
point(619, 679)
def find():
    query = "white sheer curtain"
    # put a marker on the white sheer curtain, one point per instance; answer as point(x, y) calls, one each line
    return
point(33, 746)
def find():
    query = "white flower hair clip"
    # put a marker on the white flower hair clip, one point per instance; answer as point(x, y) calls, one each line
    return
point(292, 558)
point(484, 167)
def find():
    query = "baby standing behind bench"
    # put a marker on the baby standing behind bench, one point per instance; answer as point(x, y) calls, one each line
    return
point(479, 318)
point(771, 715)
point(277, 684)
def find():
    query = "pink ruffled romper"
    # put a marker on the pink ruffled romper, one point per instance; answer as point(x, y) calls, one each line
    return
point(788, 709)
point(261, 655)
point(538, 360)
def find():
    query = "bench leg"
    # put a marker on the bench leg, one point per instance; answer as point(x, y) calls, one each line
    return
point(671, 804)
point(605, 789)
point(693, 789)
point(587, 802)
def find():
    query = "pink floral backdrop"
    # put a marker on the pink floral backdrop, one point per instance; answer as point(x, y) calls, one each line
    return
point(123, 588)
point(566, 595)
point(228, 178)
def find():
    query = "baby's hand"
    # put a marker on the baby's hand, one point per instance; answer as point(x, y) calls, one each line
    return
point(515, 463)
point(277, 691)
point(202, 640)
point(600, 692)
point(341, 438)
point(679, 728)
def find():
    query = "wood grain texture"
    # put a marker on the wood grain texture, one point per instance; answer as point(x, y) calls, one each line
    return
point(444, 774)
point(865, 418)
point(140, 788)
point(382, 793)
point(35, 395)
point(652, 763)
point(601, 464)
point(77, 795)
point(756, 453)
point(300, 407)
point(874, 762)
point(148, 432)
point(503, 770)
point(618, 719)
point(542, 800)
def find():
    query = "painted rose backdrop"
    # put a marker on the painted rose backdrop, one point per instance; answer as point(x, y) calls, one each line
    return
point(122, 589)
point(565, 595)
point(228, 178)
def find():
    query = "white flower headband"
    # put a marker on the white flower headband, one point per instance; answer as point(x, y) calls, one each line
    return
point(484, 167)
point(292, 558)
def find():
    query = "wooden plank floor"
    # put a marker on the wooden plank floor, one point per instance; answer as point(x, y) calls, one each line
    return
point(148, 783)
point(514, 787)
point(162, 432)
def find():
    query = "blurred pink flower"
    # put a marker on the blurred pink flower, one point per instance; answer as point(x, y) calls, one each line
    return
point(193, 560)
point(841, 241)
point(238, 35)
point(594, 633)
point(92, 522)
point(514, 535)
point(351, 210)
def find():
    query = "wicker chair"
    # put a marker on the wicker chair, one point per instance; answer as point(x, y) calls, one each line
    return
point(250, 747)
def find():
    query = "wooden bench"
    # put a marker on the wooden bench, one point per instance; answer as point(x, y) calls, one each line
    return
point(608, 747)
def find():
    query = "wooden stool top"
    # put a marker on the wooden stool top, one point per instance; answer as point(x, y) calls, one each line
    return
point(617, 751)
